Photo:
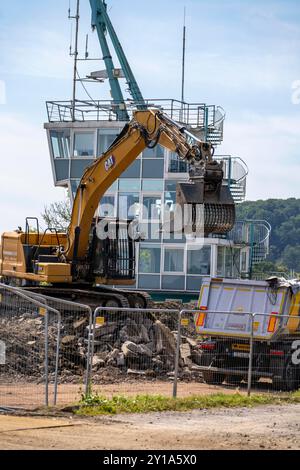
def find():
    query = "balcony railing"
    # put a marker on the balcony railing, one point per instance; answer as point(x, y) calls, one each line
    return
point(255, 234)
point(204, 120)
point(235, 173)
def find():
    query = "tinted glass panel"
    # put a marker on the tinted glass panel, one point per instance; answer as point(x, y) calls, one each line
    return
point(84, 144)
point(107, 206)
point(176, 165)
point(105, 141)
point(129, 184)
point(129, 206)
point(198, 261)
point(173, 260)
point(60, 141)
point(153, 185)
point(158, 151)
point(151, 207)
point(149, 261)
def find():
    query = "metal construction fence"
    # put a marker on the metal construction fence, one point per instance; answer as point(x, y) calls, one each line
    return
point(133, 351)
point(54, 351)
point(27, 352)
point(70, 379)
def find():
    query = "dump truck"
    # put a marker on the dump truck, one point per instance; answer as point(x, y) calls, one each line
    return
point(226, 325)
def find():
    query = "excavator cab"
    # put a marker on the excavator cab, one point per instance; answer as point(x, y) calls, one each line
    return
point(112, 251)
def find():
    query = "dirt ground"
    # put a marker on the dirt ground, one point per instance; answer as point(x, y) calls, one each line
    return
point(266, 427)
point(30, 396)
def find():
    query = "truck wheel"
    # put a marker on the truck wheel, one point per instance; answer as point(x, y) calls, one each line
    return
point(290, 379)
point(213, 378)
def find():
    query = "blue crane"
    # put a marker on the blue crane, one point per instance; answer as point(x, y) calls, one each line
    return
point(102, 23)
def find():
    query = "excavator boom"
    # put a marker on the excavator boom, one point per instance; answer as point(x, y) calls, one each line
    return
point(81, 257)
point(148, 129)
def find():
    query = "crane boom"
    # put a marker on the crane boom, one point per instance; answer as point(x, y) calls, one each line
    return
point(102, 23)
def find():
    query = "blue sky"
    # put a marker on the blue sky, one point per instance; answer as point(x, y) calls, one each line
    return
point(243, 55)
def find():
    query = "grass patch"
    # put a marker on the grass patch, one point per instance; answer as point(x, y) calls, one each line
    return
point(94, 405)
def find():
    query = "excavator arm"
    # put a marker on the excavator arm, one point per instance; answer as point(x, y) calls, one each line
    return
point(147, 129)
point(80, 256)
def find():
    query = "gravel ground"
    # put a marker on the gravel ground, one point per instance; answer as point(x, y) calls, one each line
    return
point(264, 428)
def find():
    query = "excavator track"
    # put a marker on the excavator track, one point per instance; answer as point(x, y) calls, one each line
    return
point(89, 297)
point(93, 296)
point(136, 299)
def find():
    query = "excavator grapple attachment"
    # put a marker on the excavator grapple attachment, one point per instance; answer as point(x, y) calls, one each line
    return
point(206, 202)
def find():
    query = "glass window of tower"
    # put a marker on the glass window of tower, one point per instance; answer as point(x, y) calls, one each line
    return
point(221, 261)
point(174, 260)
point(236, 262)
point(176, 165)
point(129, 184)
point(156, 152)
point(153, 185)
point(199, 260)
point(129, 205)
point(149, 259)
point(151, 207)
point(105, 140)
point(228, 262)
point(84, 144)
point(60, 141)
point(107, 206)
point(170, 201)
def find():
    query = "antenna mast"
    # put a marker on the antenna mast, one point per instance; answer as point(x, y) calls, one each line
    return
point(183, 58)
point(75, 54)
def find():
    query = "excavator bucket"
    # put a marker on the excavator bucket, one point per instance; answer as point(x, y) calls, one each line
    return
point(206, 203)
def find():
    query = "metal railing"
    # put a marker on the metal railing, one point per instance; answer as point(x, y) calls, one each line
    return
point(255, 234)
point(206, 118)
point(235, 173)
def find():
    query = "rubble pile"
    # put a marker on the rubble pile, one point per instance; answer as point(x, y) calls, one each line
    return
point(24, 341)
point(127, 346)
point(143, 346)
point(24, 338)
point(136, 344)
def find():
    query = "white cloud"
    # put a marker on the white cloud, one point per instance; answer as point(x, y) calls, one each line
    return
point(26, 182)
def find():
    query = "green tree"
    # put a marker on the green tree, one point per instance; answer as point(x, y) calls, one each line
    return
point(58, 215)
point(284, 217)
point(291, 257)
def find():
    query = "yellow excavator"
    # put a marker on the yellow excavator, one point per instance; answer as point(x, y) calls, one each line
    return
point(83, 266)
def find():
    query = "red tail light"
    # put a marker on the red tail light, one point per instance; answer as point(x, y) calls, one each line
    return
point(274, 352)
point(208, 346)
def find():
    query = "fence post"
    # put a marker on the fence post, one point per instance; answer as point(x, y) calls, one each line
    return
point(89, 359)
point(46, 360)
point(249, 384)
point(177, 356)
point(57, 360)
